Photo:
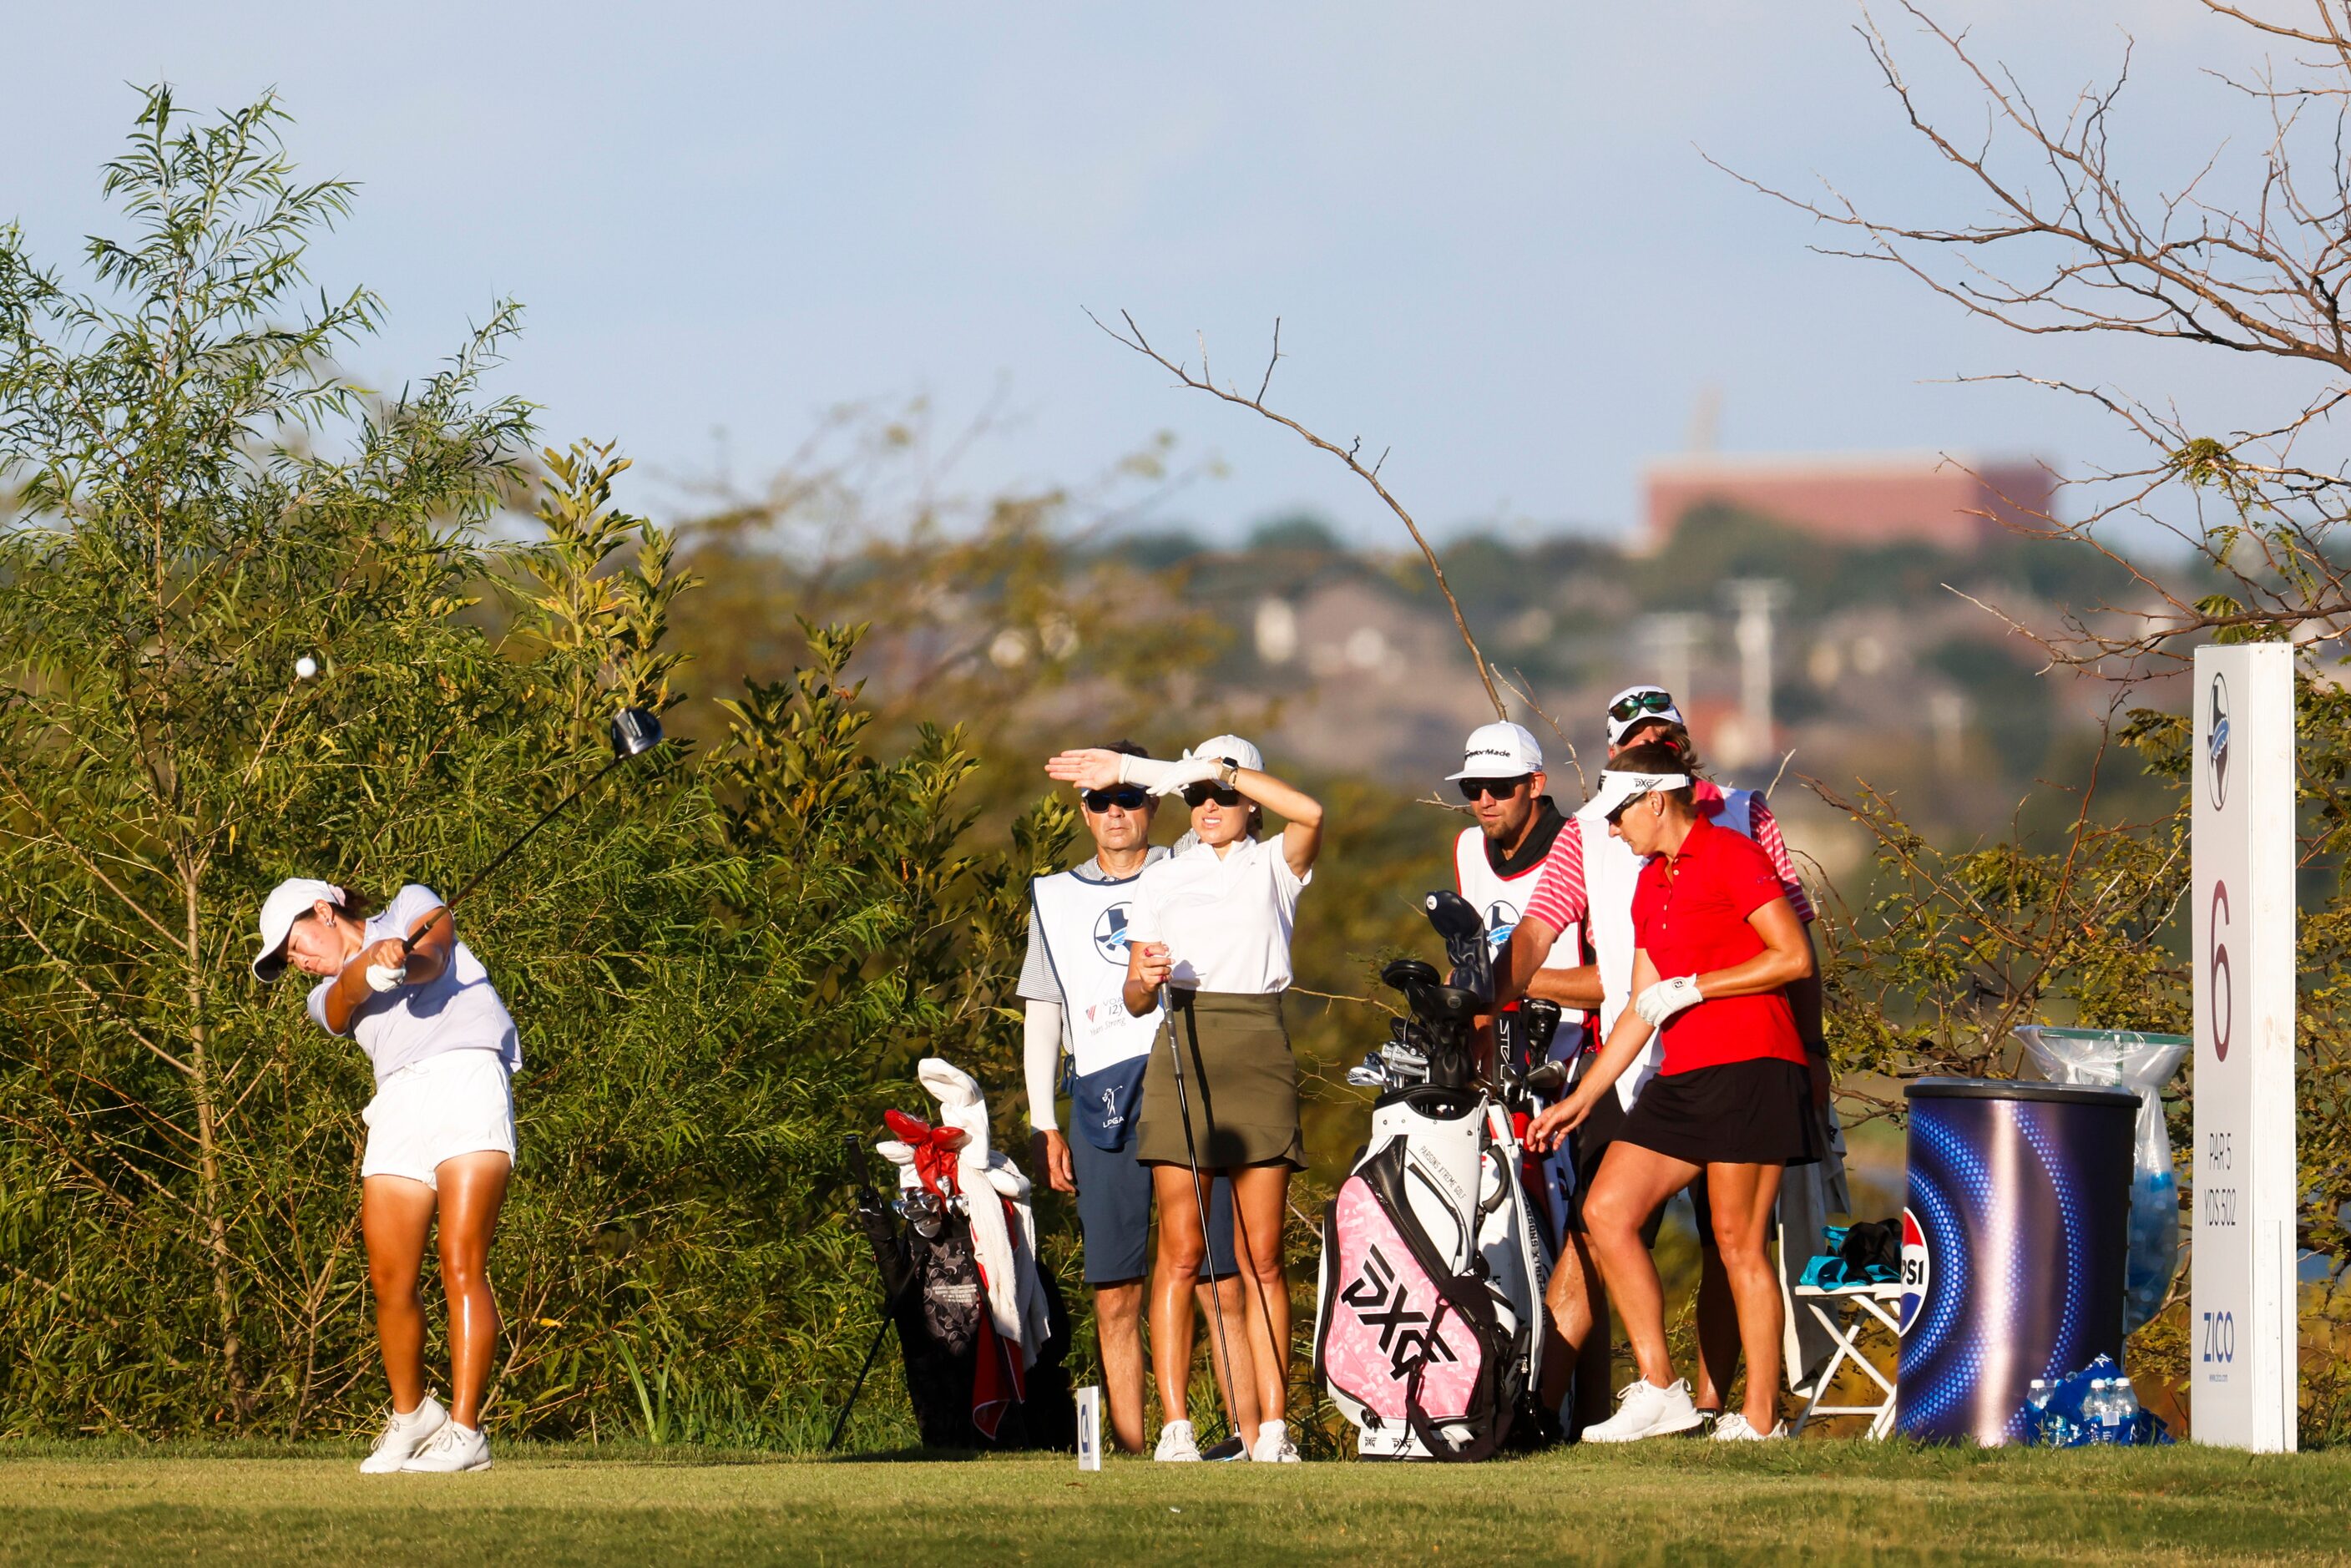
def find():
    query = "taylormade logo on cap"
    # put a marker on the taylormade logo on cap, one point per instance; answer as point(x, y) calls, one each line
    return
point(1500, 750)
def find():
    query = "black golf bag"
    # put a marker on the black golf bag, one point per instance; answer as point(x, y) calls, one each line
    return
point(1429, 1327)
point(982, 1327)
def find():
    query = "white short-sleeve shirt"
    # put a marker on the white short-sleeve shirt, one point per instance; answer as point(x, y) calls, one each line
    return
point(459, 1011)
point(1226, 919)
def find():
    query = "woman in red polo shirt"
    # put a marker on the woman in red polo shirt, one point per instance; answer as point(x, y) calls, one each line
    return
point(1715, 947)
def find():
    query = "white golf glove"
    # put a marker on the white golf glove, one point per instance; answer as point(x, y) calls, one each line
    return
point(1666, 997)
point(382, 978)
point(1168, 778)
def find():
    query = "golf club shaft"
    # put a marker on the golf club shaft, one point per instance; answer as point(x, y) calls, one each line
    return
point(408, 943)
point(1200, 1197)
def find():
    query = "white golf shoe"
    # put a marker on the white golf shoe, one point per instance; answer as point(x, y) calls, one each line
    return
point(1273, 1445)
point(404, 1435)
point(1736, 1428)
point(452, 1448)
point(1646, 1410)
point(1176, 1442)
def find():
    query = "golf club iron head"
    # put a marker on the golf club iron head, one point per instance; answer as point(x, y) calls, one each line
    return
point(635, 731)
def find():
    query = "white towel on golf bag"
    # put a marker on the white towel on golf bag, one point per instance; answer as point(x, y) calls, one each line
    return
point(1016, 1296)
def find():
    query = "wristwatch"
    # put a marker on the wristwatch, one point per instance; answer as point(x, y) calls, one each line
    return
point(1227, 771)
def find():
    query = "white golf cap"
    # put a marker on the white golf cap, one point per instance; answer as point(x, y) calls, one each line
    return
point(1619, 790)
point(287, 902)
point(1658, 705)
point(1502, 750)
point(1233, 749)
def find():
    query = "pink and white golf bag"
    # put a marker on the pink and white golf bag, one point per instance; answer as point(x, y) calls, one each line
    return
point(1429, 1326)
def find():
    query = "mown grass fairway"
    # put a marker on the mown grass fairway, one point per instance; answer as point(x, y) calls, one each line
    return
point(1822, 1502)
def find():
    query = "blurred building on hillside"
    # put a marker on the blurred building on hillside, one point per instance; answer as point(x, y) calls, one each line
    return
point(1863, 499)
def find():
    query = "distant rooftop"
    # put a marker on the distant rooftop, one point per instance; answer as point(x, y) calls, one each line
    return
point(1952, 500)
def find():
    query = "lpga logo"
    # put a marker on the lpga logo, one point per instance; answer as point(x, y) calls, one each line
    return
point(1109, 935)
point(2216, 745)
point(1918, 1271)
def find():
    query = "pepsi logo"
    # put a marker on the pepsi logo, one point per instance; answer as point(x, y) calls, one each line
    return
point(1109, 935)
point(1918, 1271)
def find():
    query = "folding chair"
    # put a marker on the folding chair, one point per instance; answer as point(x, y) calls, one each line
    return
point(1848, 1313)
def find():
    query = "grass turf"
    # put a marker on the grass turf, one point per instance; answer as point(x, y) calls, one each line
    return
point(1823, 1503)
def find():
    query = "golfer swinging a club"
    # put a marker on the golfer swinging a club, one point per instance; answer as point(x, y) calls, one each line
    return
point(1211, 932)
point(441, 1139)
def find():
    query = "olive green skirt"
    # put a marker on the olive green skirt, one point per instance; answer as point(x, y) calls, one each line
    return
point(1240, 1077)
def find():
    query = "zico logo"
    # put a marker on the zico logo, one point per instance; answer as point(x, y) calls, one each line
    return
point(1384, 1302)
point(1918, 1270)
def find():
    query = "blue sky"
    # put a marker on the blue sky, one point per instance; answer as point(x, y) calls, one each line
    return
point(1487, 229)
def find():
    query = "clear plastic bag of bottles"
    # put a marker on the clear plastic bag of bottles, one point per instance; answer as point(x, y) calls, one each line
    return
point(2095, 1405)
point(2142, 1063)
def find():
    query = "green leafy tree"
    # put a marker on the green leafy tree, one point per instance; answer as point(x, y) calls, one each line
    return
point(717, 968)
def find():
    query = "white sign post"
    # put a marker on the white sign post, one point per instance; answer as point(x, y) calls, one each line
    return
point(2242, 1303)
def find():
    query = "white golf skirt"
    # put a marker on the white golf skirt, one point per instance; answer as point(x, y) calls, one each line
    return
point(457, 1102)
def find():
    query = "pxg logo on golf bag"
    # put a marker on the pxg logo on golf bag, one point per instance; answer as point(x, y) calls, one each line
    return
point(2216, 745)
point(1918, 1271)
point(1383, 1302)
point(1109, 935)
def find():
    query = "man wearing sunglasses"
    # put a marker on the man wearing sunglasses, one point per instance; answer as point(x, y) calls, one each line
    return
point(1496, 865)
point(1072, 982)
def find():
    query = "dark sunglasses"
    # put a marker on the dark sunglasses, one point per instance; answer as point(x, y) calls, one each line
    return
point(1126, 798)
point(1500, 789)
point(1639, 701)
point(1198, 795)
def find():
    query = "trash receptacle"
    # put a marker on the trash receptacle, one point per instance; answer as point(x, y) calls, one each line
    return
point(2014, 1229)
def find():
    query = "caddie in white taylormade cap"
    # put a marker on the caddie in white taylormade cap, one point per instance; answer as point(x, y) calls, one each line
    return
point(287, 902)
point(1500, 750)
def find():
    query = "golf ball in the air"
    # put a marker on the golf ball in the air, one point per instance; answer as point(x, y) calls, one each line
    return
point(305, 667)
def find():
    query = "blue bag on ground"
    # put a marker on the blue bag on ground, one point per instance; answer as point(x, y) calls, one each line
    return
point(2093, 1406)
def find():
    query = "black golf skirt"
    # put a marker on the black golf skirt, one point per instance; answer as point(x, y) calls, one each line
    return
point(1757, 1112)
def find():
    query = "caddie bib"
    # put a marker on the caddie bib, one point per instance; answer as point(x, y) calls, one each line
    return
point(1501, 900)
point(1082, 927)
point(1611, 869)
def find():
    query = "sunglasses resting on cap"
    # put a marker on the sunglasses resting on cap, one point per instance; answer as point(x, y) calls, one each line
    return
point(1651, 701)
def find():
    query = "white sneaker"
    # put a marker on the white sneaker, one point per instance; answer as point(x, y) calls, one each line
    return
point(1176, 1442)
point(404, 1435)
point(1273, 1445)
point(1646, 1410)
point(454, 1447)
point(1736, 1428)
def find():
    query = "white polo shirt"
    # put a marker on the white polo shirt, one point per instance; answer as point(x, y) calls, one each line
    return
point(1226, 919)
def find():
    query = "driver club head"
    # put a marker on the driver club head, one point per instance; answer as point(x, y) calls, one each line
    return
point(635, 731)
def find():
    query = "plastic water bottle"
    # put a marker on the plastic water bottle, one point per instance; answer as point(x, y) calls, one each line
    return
point(2125, 1407)
point(2036, 1410)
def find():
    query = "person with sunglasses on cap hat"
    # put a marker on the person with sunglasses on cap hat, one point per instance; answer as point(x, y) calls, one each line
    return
point(1211, 929)
point(1587, 885)
point(440, 1142)
point(1072, 983)
point(1716, 944)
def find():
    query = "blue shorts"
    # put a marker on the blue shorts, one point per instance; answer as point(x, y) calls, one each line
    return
point(1115, 1213)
